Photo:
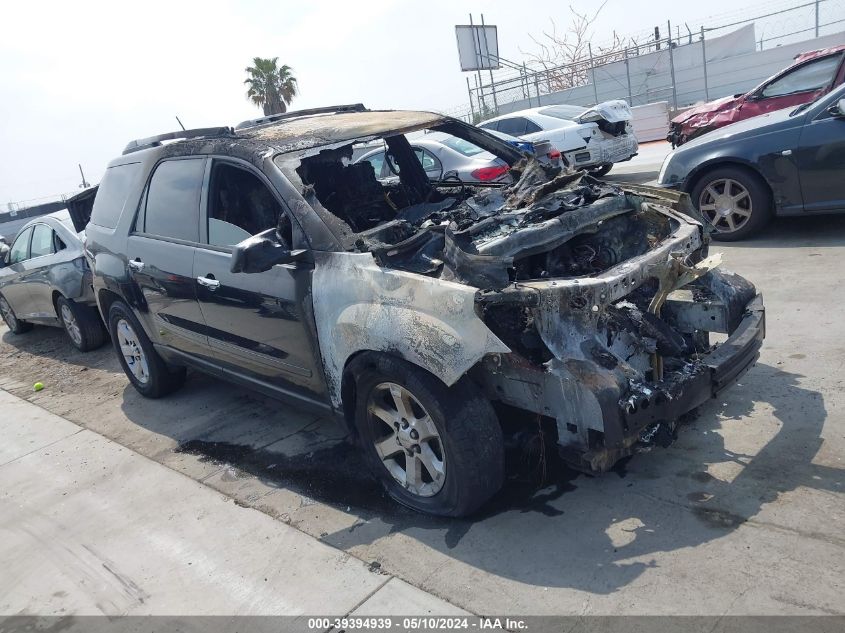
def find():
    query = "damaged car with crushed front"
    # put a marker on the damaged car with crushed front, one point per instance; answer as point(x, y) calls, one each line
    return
point(436, 319)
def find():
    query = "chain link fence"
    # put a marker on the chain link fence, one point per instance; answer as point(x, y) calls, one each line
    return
point(680, 64)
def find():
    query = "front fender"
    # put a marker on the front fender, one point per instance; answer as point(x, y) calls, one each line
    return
point(431, 323)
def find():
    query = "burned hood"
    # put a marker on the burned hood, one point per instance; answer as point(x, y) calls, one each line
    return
point(500, 236)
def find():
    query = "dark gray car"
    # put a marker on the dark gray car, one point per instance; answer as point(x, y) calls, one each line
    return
point(44, 279)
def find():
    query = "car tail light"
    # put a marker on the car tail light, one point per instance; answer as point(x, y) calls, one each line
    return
point(489, 173)
point(554, 155)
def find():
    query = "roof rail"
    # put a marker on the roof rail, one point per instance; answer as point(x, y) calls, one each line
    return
point(155, 141)
point(292, 114)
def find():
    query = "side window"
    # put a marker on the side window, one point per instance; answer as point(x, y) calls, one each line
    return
point(428, 161)
point(58, 243)
point(20, 247)
point(377, 161)
point(241, 205)
point(112, 194)
point(514, 126)
point(173, 199)
point(811, 76)
point(492, 125)
point(531, 127)
point(42, 241)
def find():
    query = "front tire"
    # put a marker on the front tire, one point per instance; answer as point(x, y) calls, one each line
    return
point(82, 324)
point(735, 201)
point(15, 325)
point(146, 370)
point(434, 449)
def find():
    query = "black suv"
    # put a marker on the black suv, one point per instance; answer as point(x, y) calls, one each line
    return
point(433, 318)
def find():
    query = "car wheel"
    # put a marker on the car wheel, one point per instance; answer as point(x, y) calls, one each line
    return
point(146, 370)
point(435, 449)
point(16, 326)
point(735, 201)
point(600, 170)
point(82, 324)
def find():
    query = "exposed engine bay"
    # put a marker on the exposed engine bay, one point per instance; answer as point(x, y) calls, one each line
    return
point(604, 295)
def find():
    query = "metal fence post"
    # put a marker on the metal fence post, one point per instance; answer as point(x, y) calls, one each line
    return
point(537, 89)
point(672, 68)
point(593, 71)
point(817, 17)
point(628, 74)
point(471, 107)
point(704, 65)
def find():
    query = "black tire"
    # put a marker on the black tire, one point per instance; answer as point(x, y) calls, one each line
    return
point(161, 378)
point(15, 325)
point(600, 170)
point(470, 438)
point(759, 199)
point(84, 328)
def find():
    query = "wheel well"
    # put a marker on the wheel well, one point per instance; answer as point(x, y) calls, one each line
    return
point(105, 299)
point(369, 359)
point(693, 182)
point(56, 295)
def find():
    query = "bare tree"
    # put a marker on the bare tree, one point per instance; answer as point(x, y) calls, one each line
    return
point(565, 57)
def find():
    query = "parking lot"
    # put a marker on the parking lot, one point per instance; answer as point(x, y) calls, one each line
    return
point(741, 515)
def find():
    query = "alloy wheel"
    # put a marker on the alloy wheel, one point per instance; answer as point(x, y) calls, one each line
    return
point(133, 353)
point(406, 439)
point(726, 204)
point(8, 315)
point(71, 326)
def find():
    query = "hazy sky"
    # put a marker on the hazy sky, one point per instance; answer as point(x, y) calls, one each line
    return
point(78, 80)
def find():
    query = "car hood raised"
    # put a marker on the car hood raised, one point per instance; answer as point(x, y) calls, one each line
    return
point(611, 111)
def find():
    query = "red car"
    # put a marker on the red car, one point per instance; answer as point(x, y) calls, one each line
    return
point(813, 74)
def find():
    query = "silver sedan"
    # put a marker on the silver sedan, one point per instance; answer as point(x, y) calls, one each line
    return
point(443, 157)
point(44, 279)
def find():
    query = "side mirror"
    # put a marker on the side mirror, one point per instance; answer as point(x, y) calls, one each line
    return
point(261, 252)
point(4, 255)
point(837, 109)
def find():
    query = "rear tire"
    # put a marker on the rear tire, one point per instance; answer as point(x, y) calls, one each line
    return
point(735, 201)
point(449, 440)
point(15, 325)
point(82, 324)
point(600, 170)
point(146, 370)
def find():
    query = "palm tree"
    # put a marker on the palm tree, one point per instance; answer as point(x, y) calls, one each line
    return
point(270, 87)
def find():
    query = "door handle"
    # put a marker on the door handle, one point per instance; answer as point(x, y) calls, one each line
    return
point(136, 264)
point(209, 282)
point(786, 152)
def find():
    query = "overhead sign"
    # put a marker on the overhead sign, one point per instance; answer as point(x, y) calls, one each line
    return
point(478, 47)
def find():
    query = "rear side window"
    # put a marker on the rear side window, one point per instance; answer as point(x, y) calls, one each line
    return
point(112, 194)
point(20, 248)
point(42, 241)
point(514, 126)
point(531, 127)
point(173, 200)
point(492, 125)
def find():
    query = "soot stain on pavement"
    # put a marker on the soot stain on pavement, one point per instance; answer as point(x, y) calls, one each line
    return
point(338, 476)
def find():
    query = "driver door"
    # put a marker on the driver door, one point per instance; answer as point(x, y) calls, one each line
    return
point(821, 162)
point(257, 324)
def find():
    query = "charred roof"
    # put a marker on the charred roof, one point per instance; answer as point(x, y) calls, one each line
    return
point(303, 133)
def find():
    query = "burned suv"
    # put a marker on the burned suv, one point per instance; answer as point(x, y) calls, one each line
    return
point(434, 319)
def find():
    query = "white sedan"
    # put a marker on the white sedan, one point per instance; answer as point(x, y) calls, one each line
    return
point(589, 138)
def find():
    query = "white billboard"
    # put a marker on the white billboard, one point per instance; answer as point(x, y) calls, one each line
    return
point(478, 47)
